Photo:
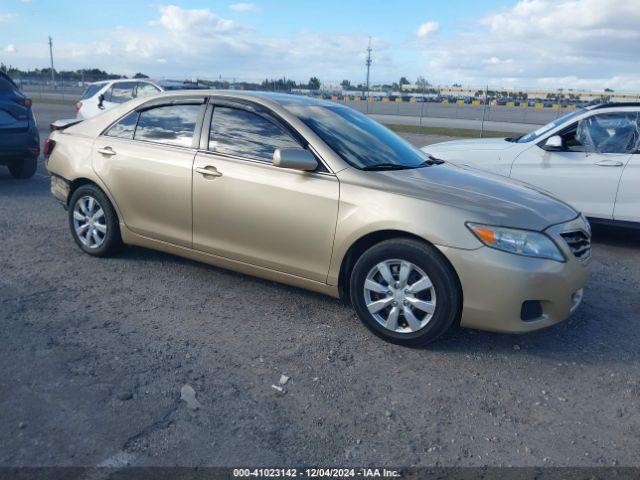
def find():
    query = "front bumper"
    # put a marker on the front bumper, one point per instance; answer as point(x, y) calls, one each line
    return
point(496, 284)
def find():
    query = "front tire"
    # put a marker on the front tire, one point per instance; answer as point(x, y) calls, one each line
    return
point(93, 222)
point(406, 292)
point(25, 168)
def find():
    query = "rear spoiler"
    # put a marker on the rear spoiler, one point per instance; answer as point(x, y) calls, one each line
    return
point(65, 123)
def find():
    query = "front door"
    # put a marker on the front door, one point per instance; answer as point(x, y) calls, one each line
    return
point(587, 171)
point(247, 209)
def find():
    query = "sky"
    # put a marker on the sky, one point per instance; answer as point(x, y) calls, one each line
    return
point(589, 44)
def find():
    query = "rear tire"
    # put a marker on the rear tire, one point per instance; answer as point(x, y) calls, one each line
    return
point(406, 292)
point(25, 168)
point(93, 222)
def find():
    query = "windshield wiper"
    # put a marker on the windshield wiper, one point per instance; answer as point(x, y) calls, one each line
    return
point(385, 166)
point(514, 139)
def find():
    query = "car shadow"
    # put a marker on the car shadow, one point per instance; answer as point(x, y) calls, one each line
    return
point(616, 236)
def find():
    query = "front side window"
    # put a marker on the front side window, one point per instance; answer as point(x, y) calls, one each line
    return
point(609, 132)
point(121, 92)
point(125, 127)
point(91, 90)
point(169, 124)
point(146, 90)
point(246, 134)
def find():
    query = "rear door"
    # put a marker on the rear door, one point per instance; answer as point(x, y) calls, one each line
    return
point(145, 160)
point(587, 172)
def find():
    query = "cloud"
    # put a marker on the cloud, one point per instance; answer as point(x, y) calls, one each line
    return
point(244, 7)
point(11, 48)
point(536, 41)
point(178, 20)
point(427, 29)
point(6, 17)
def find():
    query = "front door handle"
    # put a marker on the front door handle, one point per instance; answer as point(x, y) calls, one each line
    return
point(609, 163)
point(208, 171)
point(108, 151)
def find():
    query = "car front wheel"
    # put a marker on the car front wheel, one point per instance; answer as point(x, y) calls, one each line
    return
point(406, 292)
point(93, 222)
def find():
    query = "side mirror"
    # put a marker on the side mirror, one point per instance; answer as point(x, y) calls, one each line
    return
point(100, 100)
point(295, 159)
point(554, 144)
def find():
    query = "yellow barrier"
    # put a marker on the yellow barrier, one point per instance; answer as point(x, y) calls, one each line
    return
point(398, 100)
point(475, 102)
point(412, 100)
point(524, 104)
point(334, 97)
point(385, 100)
point(460, 102)
point(539, 105)
point(555, 106)
point(445, 101)
point(511, 104)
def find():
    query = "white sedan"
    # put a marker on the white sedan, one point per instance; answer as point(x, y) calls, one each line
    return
point(99, 97)
point(589, 158)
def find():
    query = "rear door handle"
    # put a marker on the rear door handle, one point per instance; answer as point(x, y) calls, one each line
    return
point(208, 171)
point(108, 151)
point(609, 163)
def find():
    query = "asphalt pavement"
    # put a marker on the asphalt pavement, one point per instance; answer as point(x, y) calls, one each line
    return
point(96, 354)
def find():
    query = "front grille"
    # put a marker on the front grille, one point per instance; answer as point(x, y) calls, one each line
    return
point(579, 243)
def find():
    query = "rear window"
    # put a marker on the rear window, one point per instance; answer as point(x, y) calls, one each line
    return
point(7, 85)
point(170, 124)
point(91, 90)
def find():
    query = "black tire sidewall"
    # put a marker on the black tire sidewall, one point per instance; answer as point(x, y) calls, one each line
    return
point(25, 168)
point(112, 242)
point(433, 263)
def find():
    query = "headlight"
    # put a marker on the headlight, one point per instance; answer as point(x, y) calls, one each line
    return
point(520, 242)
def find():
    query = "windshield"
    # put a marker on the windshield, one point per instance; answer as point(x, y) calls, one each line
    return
point(360, 141)
point(530, 137)
point(91, 90)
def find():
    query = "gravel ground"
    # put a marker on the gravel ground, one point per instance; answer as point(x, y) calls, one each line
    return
point(95, 353)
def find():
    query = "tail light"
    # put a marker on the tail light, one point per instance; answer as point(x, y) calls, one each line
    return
point(48, 147)
point(78, 106)
point(25, 102)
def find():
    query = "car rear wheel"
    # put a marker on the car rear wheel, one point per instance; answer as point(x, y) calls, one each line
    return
point(25, 168)
point(406, 292)
point(93, 222)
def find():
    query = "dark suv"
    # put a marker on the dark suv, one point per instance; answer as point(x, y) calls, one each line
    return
point(19, 138)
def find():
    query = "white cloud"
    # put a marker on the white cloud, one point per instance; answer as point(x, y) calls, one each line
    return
point(194, 22)
point(537, 41)
point(244, 7)
point(427, 29)
point(6, 17)
point(11, 48)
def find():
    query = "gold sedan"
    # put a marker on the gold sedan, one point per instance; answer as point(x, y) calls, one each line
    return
point(317, 195)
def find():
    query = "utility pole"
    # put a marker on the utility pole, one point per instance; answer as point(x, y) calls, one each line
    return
point(53, 75)
point(368, 63)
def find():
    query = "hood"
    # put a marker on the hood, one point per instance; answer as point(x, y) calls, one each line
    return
point(471, 144)
point(490, 199)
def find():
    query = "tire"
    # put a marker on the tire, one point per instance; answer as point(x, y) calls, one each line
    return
point(436, 288)
point(25, 168)
point(90, 202)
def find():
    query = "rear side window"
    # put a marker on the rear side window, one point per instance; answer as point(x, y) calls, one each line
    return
point(170, 124)
point(125, 127)
point(246, 134)
point(91, 90)
point(146, 90)
point(121, 92)
point(7, 85)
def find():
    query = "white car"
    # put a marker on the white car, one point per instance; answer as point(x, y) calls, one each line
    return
point(99, 97)
point(589, 158)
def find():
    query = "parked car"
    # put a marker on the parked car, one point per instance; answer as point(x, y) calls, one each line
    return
point(102, 96)
point(589, 158)
point(19, 137)
point(316, 195)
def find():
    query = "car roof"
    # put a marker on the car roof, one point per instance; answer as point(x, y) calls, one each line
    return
point(599, 106)
point(282, 99)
